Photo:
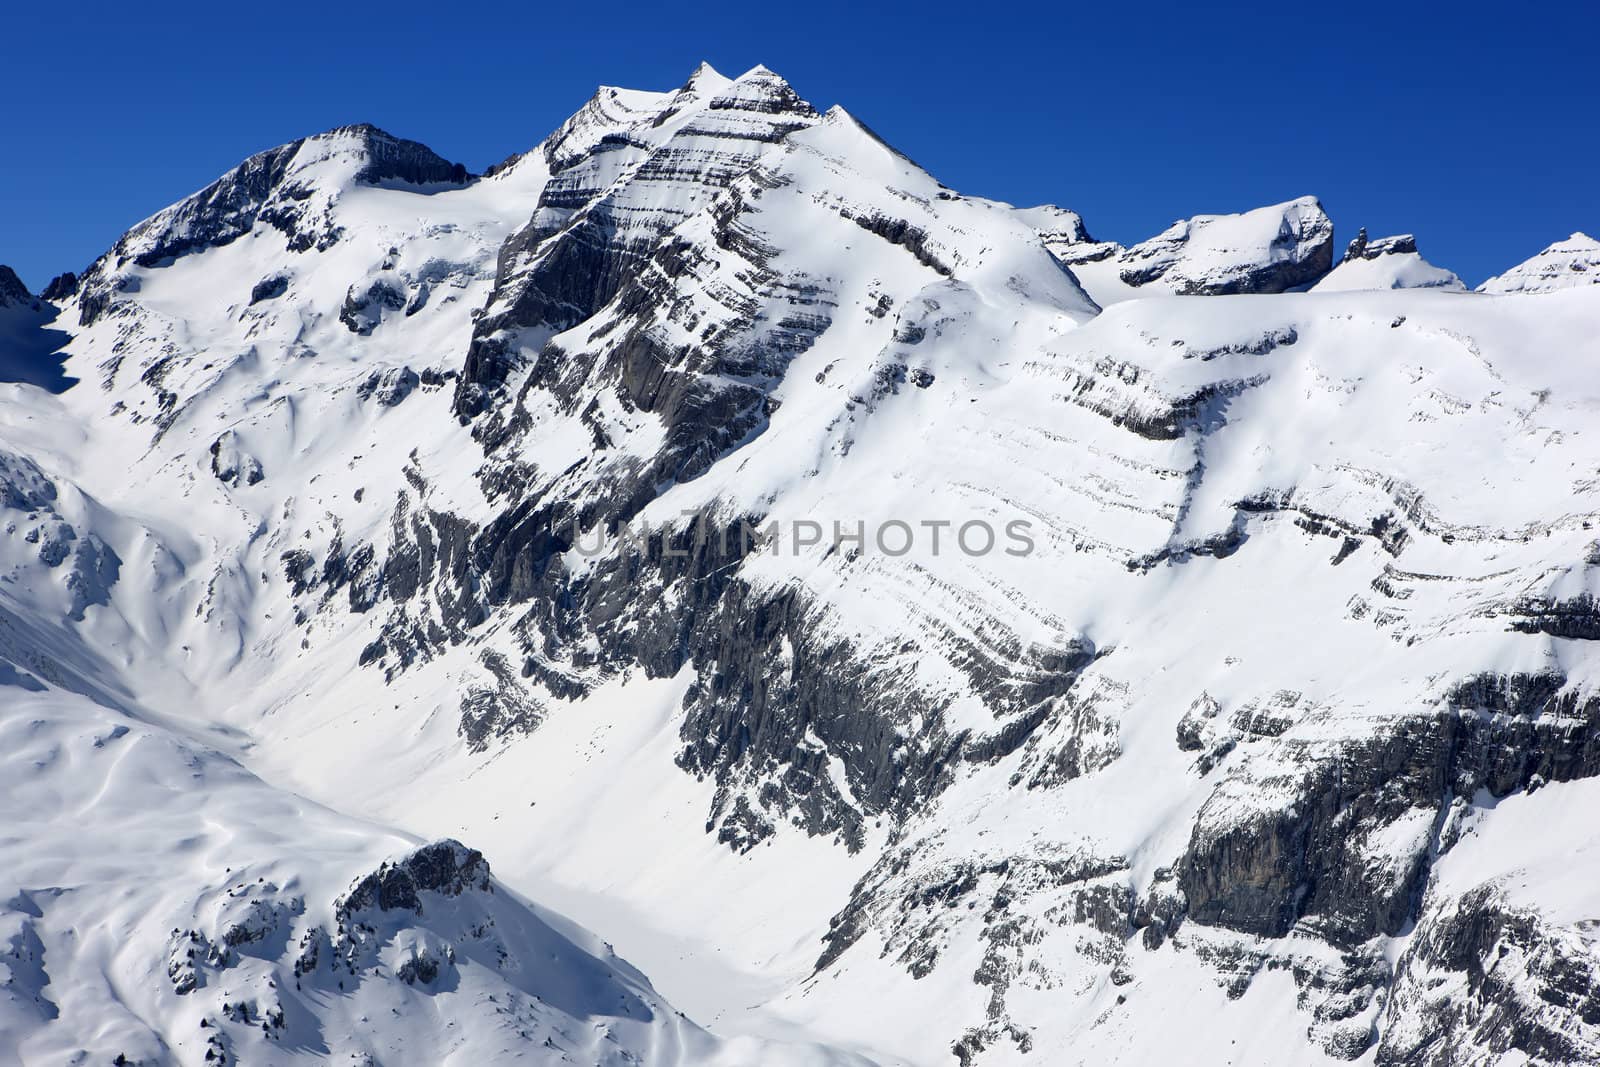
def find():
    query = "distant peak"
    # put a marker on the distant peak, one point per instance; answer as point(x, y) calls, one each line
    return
point(61, 287)
point(1266, 250)
point(705, 81)
point(1571, 262)
point(759, 89)
point(12, 290)
point(363, 130)
point(391, 158)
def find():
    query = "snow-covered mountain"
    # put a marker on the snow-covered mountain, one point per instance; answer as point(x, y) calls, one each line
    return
point(910, 630)
point(1386, 263)
point(1564, 265)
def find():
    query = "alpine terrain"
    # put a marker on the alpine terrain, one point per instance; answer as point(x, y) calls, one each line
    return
point(906, 629)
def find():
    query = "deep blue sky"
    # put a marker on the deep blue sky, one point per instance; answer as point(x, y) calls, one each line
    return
point(1476, 127)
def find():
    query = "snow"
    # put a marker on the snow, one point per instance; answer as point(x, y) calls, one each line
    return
point(1540, 848)
point(190, 865)
point(177, 734)
point(1395, 270)
point(1565, 264)
point(1216, 253)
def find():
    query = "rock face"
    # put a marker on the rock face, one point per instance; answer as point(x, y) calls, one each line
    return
point(1386, 263)
point(623, 172)
point(1565, 264)
point(231, 462)
point(1268, 250)
point(1168, 680)
point(62, 287)
point(1484, 980)
point(13, 294)
point(447, 868)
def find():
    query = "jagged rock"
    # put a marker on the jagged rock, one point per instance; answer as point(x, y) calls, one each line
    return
point(446, 867)
point(500, 710)
point(1353, 846)
point(1484, 981)
point(13, 293)
point(388, 387)
point(269, 288)
point(231, 464)
point(61, 287)
point(299, 568)
point(364, 307)
point(23, 486)
point(1577, 618)
point(605, 206)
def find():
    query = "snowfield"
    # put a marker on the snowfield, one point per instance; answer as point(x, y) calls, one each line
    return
point(1274, 748)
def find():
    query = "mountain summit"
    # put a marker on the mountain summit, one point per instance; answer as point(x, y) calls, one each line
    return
point(1564, 265)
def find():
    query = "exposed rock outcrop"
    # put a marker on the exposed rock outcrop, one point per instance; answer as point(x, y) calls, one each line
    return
point(13, 293)
point(1486, 981)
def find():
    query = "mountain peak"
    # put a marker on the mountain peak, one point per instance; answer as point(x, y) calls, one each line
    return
point(705, 80)
point(384, 157)
point(1565, 264)
point(1267, 250)
point(1164, 645)
point(837, 116)
point(12, 291)
point(291, 188)
point(759, 89)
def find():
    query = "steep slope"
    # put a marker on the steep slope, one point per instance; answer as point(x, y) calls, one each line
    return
point(1573, 262)
point(780, 559)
